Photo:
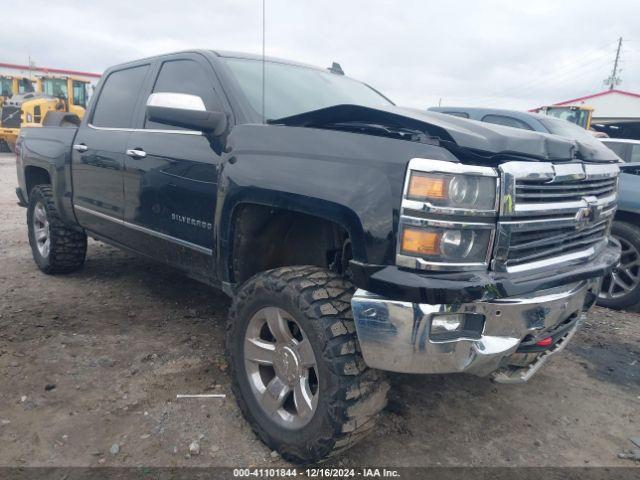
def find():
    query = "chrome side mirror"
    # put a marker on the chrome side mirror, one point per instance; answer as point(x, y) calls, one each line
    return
point(185, 110)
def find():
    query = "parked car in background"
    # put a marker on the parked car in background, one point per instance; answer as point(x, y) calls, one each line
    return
point(517, 119)
point(628, 150)
point(621, 288)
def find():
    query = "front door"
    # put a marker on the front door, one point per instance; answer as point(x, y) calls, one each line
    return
point(171, 174)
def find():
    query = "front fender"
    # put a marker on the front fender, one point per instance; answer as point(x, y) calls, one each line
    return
point(351, 179)
point(336, 213)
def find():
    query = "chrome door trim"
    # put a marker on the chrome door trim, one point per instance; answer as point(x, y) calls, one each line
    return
point(133, 226)
point(149, 130)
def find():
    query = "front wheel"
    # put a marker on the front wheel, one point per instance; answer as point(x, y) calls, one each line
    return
point(297, 371)
point(621, 288)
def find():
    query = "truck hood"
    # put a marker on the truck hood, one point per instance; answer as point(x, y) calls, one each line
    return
point(477, 138)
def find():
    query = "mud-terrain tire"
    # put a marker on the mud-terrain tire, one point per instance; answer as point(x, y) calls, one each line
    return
point(621, 288)
point(349, 396)
point(64, 249)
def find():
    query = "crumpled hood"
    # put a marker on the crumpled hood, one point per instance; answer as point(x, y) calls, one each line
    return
point(482, 138)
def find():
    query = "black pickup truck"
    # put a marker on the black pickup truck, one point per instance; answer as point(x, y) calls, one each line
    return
point(354, 236)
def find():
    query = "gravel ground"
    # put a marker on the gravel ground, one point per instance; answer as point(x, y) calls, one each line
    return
point(90, 365)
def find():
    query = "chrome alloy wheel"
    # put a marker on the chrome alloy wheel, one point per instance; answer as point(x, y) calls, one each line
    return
point(281, 367)
point(41, 230)
point(624, 278)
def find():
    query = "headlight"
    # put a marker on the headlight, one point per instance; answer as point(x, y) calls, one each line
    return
point(448, 216)
point(453, 191)
point(29, 118)
point(446, 245)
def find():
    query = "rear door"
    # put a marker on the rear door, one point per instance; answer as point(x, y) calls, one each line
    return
point(98, 156)
point(171, 175)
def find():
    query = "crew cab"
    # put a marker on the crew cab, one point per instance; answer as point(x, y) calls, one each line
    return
point(354, 236)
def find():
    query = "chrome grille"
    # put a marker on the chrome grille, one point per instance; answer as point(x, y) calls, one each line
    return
point(533, 245)
point(563, 191)
point(553, 213)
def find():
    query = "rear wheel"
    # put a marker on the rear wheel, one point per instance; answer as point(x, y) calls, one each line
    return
point(621, 288)
point(296, 366)
point(56, 248)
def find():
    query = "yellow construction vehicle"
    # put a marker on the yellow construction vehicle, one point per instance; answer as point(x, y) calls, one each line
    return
point(579, 115)
point(10, 86)
point(54, 93)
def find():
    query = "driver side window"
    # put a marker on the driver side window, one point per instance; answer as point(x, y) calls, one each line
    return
point(184, 76)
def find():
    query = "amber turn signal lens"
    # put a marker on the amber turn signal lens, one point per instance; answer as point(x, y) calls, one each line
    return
point(425, 186)
point(420, 241)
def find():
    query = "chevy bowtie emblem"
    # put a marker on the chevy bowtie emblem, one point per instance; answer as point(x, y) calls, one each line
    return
point(586, 215)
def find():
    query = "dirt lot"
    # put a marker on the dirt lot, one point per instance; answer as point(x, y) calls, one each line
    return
point(122, 337)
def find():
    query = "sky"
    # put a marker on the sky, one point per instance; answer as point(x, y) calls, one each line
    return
point(492, 53)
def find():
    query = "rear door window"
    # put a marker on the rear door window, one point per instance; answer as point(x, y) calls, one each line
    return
point(118, 98)
point(506, 121)
point(185, 76)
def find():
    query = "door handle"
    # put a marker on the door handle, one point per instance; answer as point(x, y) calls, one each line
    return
point(80, 147)
point(136, 153)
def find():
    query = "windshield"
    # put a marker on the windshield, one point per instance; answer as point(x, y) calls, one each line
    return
point(56, 87)
point(579, 117)
point(25, 86)
point(565, 129)
point(291, 89)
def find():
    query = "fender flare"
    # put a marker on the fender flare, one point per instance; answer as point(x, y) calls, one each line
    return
point(339, 214)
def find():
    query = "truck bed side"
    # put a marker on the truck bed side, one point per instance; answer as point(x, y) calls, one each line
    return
point(44, 156)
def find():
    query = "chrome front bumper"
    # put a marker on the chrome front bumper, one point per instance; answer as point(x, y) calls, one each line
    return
point(396, 335)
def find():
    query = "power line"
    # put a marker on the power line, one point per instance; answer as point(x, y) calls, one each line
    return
point(566, 71)
point(549, 81)
point(559, 79)
point(588, 63)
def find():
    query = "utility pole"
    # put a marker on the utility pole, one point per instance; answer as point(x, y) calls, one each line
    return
point(613, 80)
